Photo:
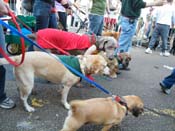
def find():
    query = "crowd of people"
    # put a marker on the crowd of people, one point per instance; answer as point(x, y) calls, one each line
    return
point(46, 12)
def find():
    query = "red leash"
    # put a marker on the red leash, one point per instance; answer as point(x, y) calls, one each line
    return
point(22, 43)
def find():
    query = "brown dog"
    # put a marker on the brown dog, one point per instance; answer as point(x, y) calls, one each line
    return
point(42, 65)
point(123, 59)
point(104, 111)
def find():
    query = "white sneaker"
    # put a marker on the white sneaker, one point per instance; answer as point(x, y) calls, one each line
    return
point(166, 54)
point(148, 51)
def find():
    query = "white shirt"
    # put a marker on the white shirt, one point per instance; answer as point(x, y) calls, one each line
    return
point(165, 14)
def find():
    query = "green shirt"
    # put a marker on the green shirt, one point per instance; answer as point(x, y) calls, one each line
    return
point(71, 61)
point(132, 8)
point(98, 7)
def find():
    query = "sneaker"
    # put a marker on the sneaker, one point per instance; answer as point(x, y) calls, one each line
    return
point(165, 89)
point(7, 104)
point(166, 53)
point(148, 51)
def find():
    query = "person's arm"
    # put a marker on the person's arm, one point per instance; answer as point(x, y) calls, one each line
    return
point(64, 3)
point(155, 3)
point(3, 8)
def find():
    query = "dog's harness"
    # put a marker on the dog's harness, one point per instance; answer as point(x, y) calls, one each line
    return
point(71, 61)
point(121, 102)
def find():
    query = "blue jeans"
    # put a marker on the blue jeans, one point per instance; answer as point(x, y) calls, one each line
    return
point(95, 24)
point(169, 81)
point(163, 31)
point(44, 17)
point(2, 69)
point(128, 29)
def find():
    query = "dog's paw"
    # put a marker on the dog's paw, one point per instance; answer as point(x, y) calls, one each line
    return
point(67, 106)
point(30, 109)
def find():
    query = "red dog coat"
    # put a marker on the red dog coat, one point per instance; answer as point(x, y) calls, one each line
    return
point(62, 39)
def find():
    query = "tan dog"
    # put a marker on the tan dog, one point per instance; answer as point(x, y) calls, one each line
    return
point(42, 65)
point(112, 34)
point(104, 111)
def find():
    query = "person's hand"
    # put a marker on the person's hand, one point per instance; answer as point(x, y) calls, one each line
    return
point(160, 2)
point(69, 11)
point(4, 8)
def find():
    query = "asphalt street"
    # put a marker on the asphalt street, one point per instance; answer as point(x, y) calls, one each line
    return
point(142, 80)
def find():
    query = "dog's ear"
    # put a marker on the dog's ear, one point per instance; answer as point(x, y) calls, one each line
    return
point(136, 111)
point(32, 36)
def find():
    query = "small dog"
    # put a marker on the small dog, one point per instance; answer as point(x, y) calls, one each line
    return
point(123, 59)
point(68, 41)
point(104, 111)
point(42, 65)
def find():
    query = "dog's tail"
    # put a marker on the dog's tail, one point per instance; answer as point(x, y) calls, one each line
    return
point(3, 61)
point(75, 106)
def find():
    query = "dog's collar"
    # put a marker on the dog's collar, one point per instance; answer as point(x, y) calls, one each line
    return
point(122, 102)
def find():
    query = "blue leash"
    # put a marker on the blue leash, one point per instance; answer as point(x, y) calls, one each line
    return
point(69, 67)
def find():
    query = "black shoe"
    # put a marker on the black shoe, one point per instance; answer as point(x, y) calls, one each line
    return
point(165, 89)
point(126, 69)
point(118, 72)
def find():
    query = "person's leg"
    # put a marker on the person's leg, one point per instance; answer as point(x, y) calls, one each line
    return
point(101, 24)
point(53, 21)
point(168, 82)
point(2, 83)
point(127, 32)
point(63, 20)
point(2, 69)
point(155, 36)
point(94, 24)
point(4, 101)
point(164, 36)
point(41, 23)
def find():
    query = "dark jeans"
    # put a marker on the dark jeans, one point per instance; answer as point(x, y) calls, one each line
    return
point(2, 83)
point(169, 80)
point(2, 69)
point(43, 22)
point(63, 20)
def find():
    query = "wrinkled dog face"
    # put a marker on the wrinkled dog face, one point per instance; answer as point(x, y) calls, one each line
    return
point(107, 44)
point(136, 111)
point(124, 59)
